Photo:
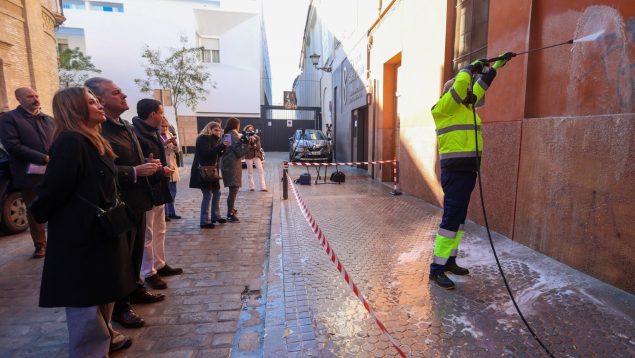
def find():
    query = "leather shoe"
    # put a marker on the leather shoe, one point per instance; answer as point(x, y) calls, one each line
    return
point(156, 282)
point(128, 319)
point(221, 221)
point(146, 297)
point(175, 217)
point(207, 226)
point(124, 344)
point(39, 253)
point(169, 271)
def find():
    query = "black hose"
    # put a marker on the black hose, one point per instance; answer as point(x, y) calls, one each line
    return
point(489, 235)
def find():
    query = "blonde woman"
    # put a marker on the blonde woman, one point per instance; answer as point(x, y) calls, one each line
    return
point(171, 151)
point(85, 270)
point(253, 156)
point(209, 147)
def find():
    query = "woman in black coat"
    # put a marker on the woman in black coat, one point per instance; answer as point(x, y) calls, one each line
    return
point(208, 148)
point(85, 270)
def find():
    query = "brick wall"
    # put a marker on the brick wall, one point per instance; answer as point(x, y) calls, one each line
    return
point(28, 50)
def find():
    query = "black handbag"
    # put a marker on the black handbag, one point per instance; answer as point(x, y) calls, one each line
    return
point(338, 177)
point(160, 191)
point(208, 173)
point(114, 220)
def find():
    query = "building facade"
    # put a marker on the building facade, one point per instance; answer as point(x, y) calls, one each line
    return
point(559, 124)
point(231, 34)
point(28, 56)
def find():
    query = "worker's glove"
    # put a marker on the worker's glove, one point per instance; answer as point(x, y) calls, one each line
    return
point(503, 60)
point(476, 66)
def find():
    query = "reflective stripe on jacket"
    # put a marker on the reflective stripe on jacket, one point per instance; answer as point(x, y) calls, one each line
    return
point(454, 122)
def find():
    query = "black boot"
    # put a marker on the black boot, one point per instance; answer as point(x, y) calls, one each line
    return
point(438, 276)
point(452, 267)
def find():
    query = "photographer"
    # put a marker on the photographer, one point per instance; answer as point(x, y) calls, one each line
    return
point(231, 166)
point(254, 156)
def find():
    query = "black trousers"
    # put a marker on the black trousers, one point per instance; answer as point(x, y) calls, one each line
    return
point(136, 239)
point(457, 189)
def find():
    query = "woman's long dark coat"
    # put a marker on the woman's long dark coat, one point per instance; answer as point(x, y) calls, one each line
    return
point(82, 266)
point(231, 165)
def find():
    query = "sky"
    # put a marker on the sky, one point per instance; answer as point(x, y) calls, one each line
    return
point(284, 24)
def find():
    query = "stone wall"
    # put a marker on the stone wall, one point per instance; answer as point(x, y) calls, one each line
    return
point(28, 55)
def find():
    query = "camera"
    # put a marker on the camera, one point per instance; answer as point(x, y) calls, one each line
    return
point(246, 136)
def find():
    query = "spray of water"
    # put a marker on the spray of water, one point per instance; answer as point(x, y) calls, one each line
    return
point(591, 37)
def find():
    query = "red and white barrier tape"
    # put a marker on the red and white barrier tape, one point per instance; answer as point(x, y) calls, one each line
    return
point(313, 164)
point(394, 168)
point(319, 235)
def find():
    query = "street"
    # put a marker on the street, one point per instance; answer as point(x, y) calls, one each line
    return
point(266, 287)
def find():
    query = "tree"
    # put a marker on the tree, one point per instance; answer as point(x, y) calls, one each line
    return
point(74, 67)
point(181, 73)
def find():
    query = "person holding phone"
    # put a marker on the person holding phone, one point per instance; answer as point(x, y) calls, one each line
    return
point(231, 167)
point(208, 149)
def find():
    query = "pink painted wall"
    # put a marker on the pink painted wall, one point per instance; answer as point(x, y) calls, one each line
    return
point(568, 163)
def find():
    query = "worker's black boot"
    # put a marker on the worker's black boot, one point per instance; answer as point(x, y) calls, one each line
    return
point(451, 266)
point(438, 276)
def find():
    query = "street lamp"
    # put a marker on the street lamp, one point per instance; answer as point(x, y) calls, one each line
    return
point(315, 59)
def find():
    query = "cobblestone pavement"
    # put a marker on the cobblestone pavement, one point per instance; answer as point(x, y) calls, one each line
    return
point(385, 243)
point(214, 308)
point(217, 307)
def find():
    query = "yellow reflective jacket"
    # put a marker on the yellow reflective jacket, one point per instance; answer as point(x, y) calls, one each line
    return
point(454, 122)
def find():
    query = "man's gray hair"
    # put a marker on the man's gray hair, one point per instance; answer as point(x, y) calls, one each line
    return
point(95, 84)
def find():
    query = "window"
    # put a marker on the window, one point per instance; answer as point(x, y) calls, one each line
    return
point(106, 6)
point(62, 45)
point(470, 32)
point(211, 49)
point(74, 5)
point(4, 100)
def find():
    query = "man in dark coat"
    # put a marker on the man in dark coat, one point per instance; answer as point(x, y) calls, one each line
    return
point(27, 134)
point(146, 127)
point(132, 173)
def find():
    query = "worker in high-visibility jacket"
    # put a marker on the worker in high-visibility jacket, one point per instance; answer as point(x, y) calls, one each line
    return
point(460, 160)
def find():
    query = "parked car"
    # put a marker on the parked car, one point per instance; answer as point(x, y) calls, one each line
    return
point(13, 209)
point(310, 145)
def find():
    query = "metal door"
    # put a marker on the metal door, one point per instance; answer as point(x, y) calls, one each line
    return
point(279, 124)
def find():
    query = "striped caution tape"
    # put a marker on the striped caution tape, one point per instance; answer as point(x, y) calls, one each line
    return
point(319, 235)
point(313, 164)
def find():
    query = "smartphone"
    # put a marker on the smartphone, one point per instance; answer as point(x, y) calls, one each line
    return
point(227, 137)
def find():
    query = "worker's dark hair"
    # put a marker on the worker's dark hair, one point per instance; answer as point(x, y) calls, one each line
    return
point(232, 123)
point(147, 106)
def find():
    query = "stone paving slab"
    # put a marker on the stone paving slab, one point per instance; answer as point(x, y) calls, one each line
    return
point(385, 242)
point(214, 309)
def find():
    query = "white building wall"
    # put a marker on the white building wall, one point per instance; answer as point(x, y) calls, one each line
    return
point(115, 42)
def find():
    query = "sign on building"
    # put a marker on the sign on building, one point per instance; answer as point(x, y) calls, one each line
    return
point(290, 100)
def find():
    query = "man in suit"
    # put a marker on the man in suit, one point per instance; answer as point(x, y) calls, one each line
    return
point(27, 134)
point(132, 173)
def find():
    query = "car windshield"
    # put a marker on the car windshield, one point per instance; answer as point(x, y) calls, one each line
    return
point(312, 135)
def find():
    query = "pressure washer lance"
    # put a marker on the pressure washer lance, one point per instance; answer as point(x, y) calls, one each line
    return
point(507, 56)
